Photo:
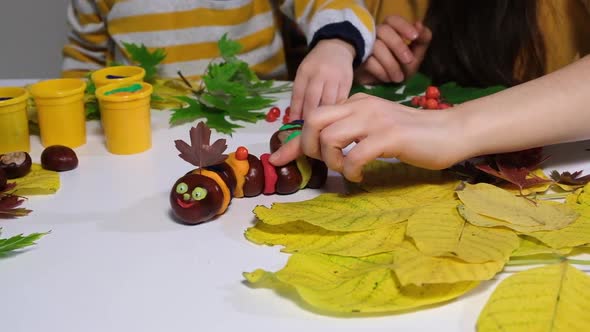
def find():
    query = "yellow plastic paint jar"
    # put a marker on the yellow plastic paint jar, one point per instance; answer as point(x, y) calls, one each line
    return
point(117, 74)
point(125, 117)
point(14, 124)
point(60, 105)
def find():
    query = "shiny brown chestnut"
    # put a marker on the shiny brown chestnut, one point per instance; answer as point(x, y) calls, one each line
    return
point(195, 198)
point(254, 180)
point(59, 158)
point(3, 179)
point(226, 173)
point(319, 174)
point(15, 164)
point(289, 179)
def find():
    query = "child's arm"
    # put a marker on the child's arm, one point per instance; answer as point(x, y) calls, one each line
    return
point(340, 34)
point(88, 39)
point(548, 110)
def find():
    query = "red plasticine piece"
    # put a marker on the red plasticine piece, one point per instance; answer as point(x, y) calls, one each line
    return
point(270, 175)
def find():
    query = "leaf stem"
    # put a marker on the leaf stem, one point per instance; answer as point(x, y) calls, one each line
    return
point(557, 259)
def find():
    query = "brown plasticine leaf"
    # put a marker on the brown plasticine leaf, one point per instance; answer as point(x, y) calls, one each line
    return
point(200, 153)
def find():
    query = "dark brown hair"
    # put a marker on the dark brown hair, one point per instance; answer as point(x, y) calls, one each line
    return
point(484, 42)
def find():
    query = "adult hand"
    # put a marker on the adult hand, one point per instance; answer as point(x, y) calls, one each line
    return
point(380, 129)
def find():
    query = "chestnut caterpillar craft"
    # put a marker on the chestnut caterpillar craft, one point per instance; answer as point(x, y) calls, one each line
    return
point(206, 191)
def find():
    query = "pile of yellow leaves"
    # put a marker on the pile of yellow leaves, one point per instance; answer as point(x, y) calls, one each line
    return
point(412, 238)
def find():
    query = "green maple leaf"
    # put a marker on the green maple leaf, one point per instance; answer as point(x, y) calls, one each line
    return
point(216, 118)
point(92, 111)
point(18, 242)
point(228, 48)
point(219, 80)
point(146, 59)
point(456, 94)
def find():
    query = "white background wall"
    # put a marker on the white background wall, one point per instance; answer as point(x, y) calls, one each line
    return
point(32, 34)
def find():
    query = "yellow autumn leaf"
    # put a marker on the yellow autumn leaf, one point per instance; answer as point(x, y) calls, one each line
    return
point(303, 237)
point(583, 195)
point(438, 230)
point(531, 247)
point(575, 234)
point(477, 219)
point(398, 179)
point(38, 181)
point(549, 298)
point(491, 201)
point(340, 213)
point(413, 267)
point(354, 285)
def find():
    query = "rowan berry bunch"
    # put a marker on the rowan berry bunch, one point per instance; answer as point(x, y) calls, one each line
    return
point(431, 100)
point(274, 113)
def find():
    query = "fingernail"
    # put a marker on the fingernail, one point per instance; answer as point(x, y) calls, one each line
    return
point(407, 57)
point(414, 36)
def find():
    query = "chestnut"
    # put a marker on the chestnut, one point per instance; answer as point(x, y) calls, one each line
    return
point(3, 179)
point(195, 198)
point(226, 173)
point(289, 179)
point(15, 164)
point(254, 180)
point(319, 174)
point(59, 158)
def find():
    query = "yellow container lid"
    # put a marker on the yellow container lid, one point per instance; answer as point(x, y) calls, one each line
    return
point(15, 94)
point(58, 88)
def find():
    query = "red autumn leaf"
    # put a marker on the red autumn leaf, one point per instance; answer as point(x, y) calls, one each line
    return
point(9, 206)
point(520, 177)
point(572, 179)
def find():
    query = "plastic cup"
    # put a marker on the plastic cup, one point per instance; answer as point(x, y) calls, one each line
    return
point(126, 118)
point(117, 74)
point(60, 105)
point(14, 124)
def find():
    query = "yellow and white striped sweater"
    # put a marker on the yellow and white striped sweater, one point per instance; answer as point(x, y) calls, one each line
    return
point(189, 30)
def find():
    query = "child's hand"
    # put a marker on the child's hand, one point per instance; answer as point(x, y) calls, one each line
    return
point(429, 139)
point(323, 78)
point(393, 60)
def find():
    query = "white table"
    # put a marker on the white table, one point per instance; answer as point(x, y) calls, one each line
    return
point(116, 261)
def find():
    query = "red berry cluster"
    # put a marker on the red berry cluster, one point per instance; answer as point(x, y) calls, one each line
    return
point(275, 113)
point(431, 100)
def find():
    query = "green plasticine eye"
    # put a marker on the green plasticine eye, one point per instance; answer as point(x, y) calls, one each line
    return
point(199, 193)
point(181, 188)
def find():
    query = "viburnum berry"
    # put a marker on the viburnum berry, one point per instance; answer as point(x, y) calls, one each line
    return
point(432, 92)
point(444, 106)
point(286, 119)
point(270, 117)
point(431, 104)
point(288, 110)
point(242, 153)
point(415, 101)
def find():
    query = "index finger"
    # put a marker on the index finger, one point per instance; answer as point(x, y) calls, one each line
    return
point(402, 27)
point(316, 122)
